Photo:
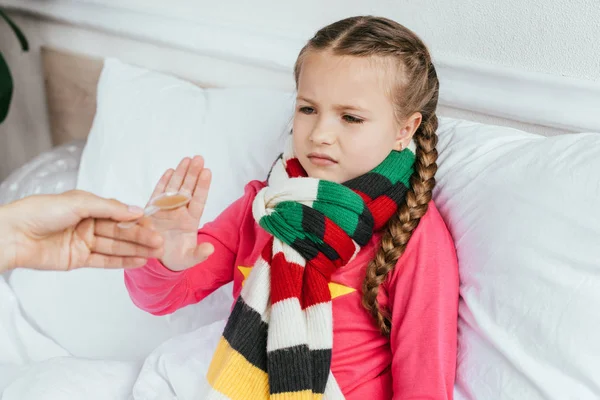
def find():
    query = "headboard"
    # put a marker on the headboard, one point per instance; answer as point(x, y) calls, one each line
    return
point(75, 43)
point(71, 81)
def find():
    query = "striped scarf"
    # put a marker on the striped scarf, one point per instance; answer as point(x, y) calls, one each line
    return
point(278, 339)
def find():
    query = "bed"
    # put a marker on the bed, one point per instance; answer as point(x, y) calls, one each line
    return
point(77, 335)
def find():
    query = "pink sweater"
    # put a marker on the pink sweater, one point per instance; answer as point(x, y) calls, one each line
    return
point(417, 361)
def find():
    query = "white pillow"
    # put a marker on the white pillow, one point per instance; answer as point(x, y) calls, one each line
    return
point(146, 122)
point(524, 211)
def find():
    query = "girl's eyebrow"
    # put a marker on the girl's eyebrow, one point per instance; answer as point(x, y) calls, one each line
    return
point(337, 106)
point(350, 107)
point(305, 99)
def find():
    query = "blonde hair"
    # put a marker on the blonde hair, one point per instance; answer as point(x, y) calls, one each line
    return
point(416, 90)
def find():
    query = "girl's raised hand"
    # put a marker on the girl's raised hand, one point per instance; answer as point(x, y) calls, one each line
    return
point(179, 227)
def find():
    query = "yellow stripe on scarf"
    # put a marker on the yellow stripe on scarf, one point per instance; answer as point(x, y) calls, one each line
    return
point(231, 374)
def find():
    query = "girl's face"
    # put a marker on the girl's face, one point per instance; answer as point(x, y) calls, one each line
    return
point(344, 124)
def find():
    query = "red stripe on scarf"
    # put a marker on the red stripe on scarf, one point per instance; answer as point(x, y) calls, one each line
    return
point(286, 279)
point(315, 287)
point(365, 198)
point(382, 208)
point(267, 250)
point(294, 168)
point(340, 241)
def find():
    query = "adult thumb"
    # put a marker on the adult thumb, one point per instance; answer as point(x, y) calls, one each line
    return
point(89, 205)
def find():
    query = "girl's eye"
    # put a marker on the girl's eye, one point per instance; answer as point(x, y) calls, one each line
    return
point(307, 110)
point(352, 120)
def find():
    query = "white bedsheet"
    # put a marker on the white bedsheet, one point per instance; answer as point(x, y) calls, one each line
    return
point(72, 378)
point(33, 367)
point(176, 370)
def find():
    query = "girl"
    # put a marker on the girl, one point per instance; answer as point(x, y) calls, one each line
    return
point(344, 272)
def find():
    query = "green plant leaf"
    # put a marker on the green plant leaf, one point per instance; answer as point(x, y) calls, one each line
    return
point(6, 88)
point(16, 30)
point(6, 81)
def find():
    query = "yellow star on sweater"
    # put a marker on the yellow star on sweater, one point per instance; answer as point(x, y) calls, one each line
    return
point(245, 271)
point(336, 289)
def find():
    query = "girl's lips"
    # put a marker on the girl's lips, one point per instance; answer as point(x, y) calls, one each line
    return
point(321, 160)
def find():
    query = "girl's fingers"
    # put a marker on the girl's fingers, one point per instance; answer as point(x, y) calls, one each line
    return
point(177, 178)
point(198, 202)
point(189, 183)
point(162, 182)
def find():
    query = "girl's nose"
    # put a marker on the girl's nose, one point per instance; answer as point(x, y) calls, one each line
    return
point(322, 135)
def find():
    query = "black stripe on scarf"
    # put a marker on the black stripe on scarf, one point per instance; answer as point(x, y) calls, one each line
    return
point(398, 193)
point(364, 228)
point(314, 222)
point(247, 334)
point(372, 184)
point(290, 369)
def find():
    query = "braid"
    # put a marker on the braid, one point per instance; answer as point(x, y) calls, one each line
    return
point(401, 226)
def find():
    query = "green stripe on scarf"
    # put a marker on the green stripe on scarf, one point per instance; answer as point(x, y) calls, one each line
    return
point(344, 213)
point(402, 162)
point(287, 220)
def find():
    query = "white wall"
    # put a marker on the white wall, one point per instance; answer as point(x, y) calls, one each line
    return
point(556, 37)
point(560, 37)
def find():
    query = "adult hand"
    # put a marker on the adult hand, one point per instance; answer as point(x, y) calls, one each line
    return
point(72, 230)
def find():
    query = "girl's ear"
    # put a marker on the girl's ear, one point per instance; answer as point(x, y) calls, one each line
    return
point(407, 131)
